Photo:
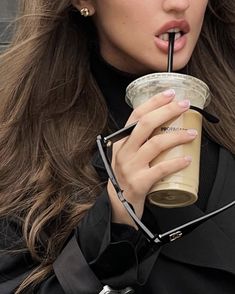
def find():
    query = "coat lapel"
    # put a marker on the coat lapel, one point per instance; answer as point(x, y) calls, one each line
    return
point(212, 244)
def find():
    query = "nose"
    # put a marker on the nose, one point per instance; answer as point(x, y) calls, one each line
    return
point(179, 6)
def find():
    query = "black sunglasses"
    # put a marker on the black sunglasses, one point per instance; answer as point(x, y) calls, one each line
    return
point(105, 142)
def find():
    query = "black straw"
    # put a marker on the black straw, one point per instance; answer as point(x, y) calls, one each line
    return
point(171, 51)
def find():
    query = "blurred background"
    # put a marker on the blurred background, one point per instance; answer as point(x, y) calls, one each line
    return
point(8, 10)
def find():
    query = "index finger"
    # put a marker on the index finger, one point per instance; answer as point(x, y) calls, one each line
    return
point(151, 104)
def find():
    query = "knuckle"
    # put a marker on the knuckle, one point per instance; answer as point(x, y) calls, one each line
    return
point(119, 163)
point(137, 113)
point(122, 168)
point(137, 183)
point(156, 144)
point(144, 122)
point(118, 160)
point(132, 184)
point(163, 170)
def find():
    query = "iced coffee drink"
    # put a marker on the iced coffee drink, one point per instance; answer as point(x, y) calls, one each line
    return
point(181, 188)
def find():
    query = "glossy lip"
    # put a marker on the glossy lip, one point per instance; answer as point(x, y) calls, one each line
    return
point(183, 25)
point(180, 43)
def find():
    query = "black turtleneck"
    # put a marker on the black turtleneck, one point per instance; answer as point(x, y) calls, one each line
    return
point(113, 84)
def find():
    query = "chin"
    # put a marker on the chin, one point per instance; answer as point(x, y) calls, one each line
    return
point(162, 67)
point(150, 67)
point(179, 67)
point(180, 63)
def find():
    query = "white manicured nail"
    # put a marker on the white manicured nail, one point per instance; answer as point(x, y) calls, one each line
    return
point(184, 103)
point(188, 158)
point(169, 93)
point(192, 132)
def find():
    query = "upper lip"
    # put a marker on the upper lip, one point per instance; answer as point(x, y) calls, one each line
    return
point(183, 25)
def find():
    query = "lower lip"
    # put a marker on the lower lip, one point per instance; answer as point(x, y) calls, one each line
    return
point(164, 45)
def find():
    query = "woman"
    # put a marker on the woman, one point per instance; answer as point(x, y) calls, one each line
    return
point(63, 82)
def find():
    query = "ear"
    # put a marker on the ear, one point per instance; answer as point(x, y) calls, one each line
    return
point(89, 4)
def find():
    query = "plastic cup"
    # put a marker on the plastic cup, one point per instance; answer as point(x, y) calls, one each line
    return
point(181, 188)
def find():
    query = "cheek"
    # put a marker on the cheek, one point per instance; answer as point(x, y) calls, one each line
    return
point(122, 30)
point(200, 13)
point(197, 17)
point(123, 19)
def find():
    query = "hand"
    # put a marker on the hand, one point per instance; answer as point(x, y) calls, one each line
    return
point(132, 155)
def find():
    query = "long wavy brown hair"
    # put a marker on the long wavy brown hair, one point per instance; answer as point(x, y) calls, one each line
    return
point(50, 116)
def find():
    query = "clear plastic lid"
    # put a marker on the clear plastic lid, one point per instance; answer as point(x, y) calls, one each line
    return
point(185, 86)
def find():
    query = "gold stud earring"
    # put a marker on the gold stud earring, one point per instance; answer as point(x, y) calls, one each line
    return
point(85, 12)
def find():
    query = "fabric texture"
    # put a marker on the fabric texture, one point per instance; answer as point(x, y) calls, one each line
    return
point(100, 252)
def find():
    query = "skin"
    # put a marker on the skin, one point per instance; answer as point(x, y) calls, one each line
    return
point(127, 32)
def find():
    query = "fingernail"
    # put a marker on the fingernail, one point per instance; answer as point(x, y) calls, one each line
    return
point(184, 103)
point(169, 93)
point(188, 158)
point(192, 132)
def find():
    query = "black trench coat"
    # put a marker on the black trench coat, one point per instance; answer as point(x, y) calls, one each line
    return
point(201, 262)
